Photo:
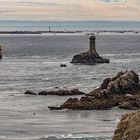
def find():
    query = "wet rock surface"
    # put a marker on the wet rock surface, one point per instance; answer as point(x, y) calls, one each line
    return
point(129, 127)
point(58, 92)
point(123, 91)
point(88, 58)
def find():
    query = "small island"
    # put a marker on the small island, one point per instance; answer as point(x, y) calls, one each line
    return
point(90, 57)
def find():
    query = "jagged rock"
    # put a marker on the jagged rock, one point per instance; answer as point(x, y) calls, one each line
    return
point(30, 93)
point(123, 90)
point(128, 105)
point(123, 83)
point(129, 127)
point(130, 102)
point(59, 92)
point(88, 103)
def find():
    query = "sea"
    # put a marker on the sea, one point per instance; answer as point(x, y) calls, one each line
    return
point(32, 62)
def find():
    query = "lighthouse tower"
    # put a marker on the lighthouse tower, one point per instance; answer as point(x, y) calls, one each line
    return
point(92, 45)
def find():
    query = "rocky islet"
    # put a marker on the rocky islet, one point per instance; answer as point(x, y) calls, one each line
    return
point(123, 91)
point(90, 57)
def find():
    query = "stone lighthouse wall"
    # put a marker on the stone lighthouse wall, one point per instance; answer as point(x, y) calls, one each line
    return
point(92, 45)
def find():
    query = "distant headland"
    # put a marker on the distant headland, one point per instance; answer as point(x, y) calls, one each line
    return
point(86, 32)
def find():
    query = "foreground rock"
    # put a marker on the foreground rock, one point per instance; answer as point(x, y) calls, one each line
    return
point(90, 57)
point(129, 127)
point(59, 92)
point(123, 90)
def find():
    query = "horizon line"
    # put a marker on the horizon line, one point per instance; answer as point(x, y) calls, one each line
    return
point(22, 20)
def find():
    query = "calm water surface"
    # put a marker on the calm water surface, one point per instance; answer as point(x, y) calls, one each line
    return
point(33, 63)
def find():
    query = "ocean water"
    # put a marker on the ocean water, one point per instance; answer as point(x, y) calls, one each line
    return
point(32, 62)
point(69, 25)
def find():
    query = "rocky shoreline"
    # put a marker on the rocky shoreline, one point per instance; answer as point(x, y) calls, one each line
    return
point(123, 91)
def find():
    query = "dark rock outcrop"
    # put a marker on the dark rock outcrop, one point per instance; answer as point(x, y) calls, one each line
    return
point(59, 92)
point(123, 90)
point(30, 93)
point(122, 84)
point(130, 103)
point(88, 58)
point(62, 92)
point(63, 65)
point(129, 127)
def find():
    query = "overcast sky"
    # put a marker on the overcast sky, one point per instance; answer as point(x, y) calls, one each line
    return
point(70, 9)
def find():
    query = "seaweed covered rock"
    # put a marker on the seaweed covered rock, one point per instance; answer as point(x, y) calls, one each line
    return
point(123, 90)
point(129, 127)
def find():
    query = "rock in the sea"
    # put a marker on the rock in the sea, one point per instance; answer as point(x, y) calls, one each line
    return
point(55, 107)
point(90, 57)
point(123, 83)
point(112, 92)
point(129, 127)
point(30, 93)
point(57, 92)
point(62, 92)
point(63, 65)
point(88, 103)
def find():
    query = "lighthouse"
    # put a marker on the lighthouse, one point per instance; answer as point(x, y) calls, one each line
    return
point(90, 57)
point(92, 45)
